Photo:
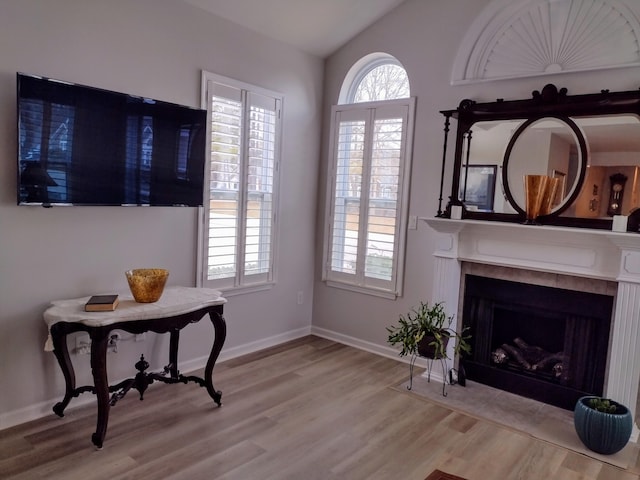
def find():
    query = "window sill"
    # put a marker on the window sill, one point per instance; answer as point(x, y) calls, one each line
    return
point(231, 291)
point(364, 290)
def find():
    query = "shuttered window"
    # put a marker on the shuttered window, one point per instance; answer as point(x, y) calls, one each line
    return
point(240, 215)
point(369, 170)
point(45, 130)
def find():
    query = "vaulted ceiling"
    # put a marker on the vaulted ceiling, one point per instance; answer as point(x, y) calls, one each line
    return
point(318, 27)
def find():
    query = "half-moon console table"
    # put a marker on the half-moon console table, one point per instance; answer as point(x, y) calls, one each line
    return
point(177, 308)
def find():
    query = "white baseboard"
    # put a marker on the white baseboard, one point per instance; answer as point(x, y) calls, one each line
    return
point(357, 343)
point(42, 409)
point(233, 352)
point(381, 350)
point(39, 410)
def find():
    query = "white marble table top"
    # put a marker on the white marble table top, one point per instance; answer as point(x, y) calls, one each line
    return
point(174, 301)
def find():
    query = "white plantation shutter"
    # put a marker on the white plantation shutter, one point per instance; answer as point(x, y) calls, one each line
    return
point(258, 205)
point(224, 187)
point(370, 164)
point(384, 206)
point(239, 225)
point(348, 187)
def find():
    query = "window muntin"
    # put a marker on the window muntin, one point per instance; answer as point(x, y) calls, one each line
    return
point(240, 215)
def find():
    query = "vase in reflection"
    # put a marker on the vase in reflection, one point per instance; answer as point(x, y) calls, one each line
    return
point(535, 187)
point(549, 200)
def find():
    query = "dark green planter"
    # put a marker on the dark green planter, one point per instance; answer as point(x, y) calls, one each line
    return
point(601, 432)
point(427, 350)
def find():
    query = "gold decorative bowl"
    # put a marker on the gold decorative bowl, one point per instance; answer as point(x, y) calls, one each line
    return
point(147, 284)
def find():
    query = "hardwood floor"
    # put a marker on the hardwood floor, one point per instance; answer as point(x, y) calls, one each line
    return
point(309, 409)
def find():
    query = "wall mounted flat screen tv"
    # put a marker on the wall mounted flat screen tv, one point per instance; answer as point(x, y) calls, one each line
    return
point(80, 145)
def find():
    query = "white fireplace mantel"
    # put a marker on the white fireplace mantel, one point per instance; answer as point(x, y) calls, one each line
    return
point(572, 251)
point(598, 254)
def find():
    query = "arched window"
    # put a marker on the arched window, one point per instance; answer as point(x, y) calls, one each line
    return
point(370, 160)
point(376, 77)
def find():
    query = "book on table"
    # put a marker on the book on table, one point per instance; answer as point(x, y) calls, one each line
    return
point(101, 303)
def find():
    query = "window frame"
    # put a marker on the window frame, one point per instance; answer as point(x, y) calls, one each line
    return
point(240, 283)
point(387, 289)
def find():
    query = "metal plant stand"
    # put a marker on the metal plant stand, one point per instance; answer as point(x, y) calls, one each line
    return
point(430, 361)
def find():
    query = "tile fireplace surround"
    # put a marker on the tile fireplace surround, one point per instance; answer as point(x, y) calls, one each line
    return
point(577, 253)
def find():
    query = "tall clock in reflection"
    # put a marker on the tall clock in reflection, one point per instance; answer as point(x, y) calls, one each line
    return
point(615, 194)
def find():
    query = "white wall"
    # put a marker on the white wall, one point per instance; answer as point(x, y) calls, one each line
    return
point(424, 36)
point(153, 48)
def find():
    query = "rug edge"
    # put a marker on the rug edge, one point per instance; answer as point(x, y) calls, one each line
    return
point(440, 475)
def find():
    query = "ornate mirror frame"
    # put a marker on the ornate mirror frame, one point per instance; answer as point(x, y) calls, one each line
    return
point(550, 102)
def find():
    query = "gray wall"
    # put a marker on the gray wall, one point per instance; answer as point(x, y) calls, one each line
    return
point(424, 36)
point(153, 48)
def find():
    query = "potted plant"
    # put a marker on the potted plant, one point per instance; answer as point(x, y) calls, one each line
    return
point(603, 425)
point(426, 331)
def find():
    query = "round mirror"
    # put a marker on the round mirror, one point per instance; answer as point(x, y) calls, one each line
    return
point(552, 146)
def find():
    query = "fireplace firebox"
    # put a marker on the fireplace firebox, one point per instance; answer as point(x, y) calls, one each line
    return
point(541, 342)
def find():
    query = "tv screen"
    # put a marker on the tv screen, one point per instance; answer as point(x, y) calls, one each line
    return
point(80, 145)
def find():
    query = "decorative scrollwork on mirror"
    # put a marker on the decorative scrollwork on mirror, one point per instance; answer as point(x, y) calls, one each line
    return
point(587, 142)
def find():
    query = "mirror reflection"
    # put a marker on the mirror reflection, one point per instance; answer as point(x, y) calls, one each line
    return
point(481, 185)
point(611, 185)
point(549, 146)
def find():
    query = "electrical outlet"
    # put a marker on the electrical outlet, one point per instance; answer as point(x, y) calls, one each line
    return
point(83, 344)
point(413, 222)
point(300, 297)
point(114, 339)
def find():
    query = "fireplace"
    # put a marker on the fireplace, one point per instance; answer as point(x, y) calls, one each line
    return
point(576, 256)
point(541, 342)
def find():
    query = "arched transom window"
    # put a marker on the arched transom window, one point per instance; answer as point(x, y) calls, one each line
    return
point(375, 77)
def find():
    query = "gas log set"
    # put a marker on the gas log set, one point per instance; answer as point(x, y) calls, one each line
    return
point(527, 357)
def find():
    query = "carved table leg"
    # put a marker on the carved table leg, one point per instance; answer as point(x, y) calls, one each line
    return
point(99, 341)
point(174, 340)
point(61, 351)
point(220, 331)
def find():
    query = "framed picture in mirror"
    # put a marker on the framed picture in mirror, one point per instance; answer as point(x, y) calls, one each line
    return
point(477, 187)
